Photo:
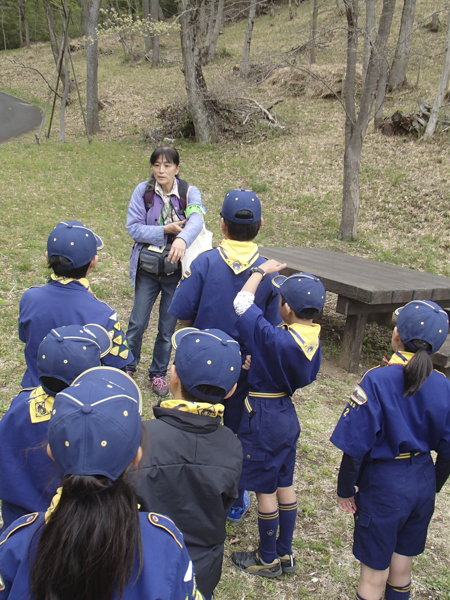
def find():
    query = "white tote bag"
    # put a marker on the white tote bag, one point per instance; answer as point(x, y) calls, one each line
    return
point(201, 243)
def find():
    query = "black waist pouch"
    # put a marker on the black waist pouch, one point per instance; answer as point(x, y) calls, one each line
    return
point(156, 263)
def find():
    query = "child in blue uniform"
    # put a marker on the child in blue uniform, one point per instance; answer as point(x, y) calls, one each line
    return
point(284, 359)
point(192, 466)
point(387, 479)
point(27, 476)
point(204, 297)
point(67, 298)
point(93, 543)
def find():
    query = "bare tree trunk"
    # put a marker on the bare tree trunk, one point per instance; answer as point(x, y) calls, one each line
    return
point(23, 24)
point(205, 50)
point(154, 9)
point(245, 67)
point(193, 75)
point(356, 127)
point(369, 37)
point(161, 16)
point(397, 75)
point(62, 125)
point(314, 31)
point(147, 35)
point(216, 32)
point(92, 68)
point(431, 125)
point(381, 94)
point(203, 21)
point(51, 31)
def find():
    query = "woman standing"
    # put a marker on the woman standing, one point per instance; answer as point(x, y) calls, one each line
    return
point(165, 215)
point(93, 543)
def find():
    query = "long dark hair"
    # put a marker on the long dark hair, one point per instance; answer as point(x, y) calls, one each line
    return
point(418, 368)
point(169, 153)
point(88, 548)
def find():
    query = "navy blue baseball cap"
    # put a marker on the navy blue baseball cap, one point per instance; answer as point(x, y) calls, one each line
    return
point(237, 200)
point(301, 291)
point(66, 352)
point(422, 320)
point(207, 356)
point(74, 241)
point(96, 426)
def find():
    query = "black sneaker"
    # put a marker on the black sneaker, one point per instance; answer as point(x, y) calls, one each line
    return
point(250, 562)
point(288, 563)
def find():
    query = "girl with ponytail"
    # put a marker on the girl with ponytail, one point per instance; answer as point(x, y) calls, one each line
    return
point(387, 478)
point(93, 543)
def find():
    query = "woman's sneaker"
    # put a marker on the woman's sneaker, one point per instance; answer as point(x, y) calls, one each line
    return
point(159, 385)
point(288, 563)
point(251, 562)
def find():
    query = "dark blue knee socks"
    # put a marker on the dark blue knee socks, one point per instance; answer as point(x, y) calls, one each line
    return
point(395, 592)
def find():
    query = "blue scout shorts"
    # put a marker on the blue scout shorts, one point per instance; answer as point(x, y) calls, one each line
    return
point(395, 505)
point(268, 432)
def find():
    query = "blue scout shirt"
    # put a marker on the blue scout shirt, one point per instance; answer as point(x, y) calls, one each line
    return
point(379, 423)
point(167, 570)
point(61, 302)
point(28, 477)
point(280, 360)
point(206, 294)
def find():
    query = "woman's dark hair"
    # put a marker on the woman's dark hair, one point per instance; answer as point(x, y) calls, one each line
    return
point(61, 267)
point(306, 313)
point(418, 368)
point(89, 546)
point(206, 389)
point(169, 153)
point(241, 232)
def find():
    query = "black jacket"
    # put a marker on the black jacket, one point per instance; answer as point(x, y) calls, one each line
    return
point(190, 472)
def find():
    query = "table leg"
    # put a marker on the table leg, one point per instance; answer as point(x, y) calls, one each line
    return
point(352, 342)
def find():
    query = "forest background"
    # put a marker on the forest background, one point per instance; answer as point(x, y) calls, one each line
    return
point(293, 162)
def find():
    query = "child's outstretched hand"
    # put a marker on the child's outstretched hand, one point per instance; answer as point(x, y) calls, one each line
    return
point(272, 266)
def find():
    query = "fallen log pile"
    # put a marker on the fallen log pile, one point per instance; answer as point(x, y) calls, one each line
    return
point(408, 124)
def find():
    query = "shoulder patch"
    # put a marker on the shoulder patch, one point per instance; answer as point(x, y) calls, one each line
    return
point(359, 396)
point(168, 525)
point(18, 524)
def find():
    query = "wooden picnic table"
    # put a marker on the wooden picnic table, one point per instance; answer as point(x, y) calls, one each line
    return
point(364, 287)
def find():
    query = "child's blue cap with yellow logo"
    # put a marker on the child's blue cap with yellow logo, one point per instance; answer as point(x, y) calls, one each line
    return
point(237, 200)
point(301, 291)
point(422, 320)
point(96, 426)
point(67, 351)
point(75, 242)
point(206, 357)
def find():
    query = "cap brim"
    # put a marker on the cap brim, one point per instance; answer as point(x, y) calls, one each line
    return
point(116, 377)
point(278, 280)
point(179, 335)
point(102, 337)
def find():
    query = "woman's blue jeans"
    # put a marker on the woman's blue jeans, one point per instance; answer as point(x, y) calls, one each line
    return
point(147, 289)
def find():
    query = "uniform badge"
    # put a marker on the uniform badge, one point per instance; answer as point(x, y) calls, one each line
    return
point(358, 398)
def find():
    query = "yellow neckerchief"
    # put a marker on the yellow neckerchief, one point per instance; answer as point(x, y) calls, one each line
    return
point(53, 504)
point(41, 405)
point(239, 256)
point(204, 409)
point(306, 336)
point(400, 358)
point(65, 280)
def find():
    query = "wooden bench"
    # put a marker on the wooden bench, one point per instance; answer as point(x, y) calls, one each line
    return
point(365, 288)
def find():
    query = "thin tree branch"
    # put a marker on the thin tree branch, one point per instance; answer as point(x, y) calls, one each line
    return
point(17, 62)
